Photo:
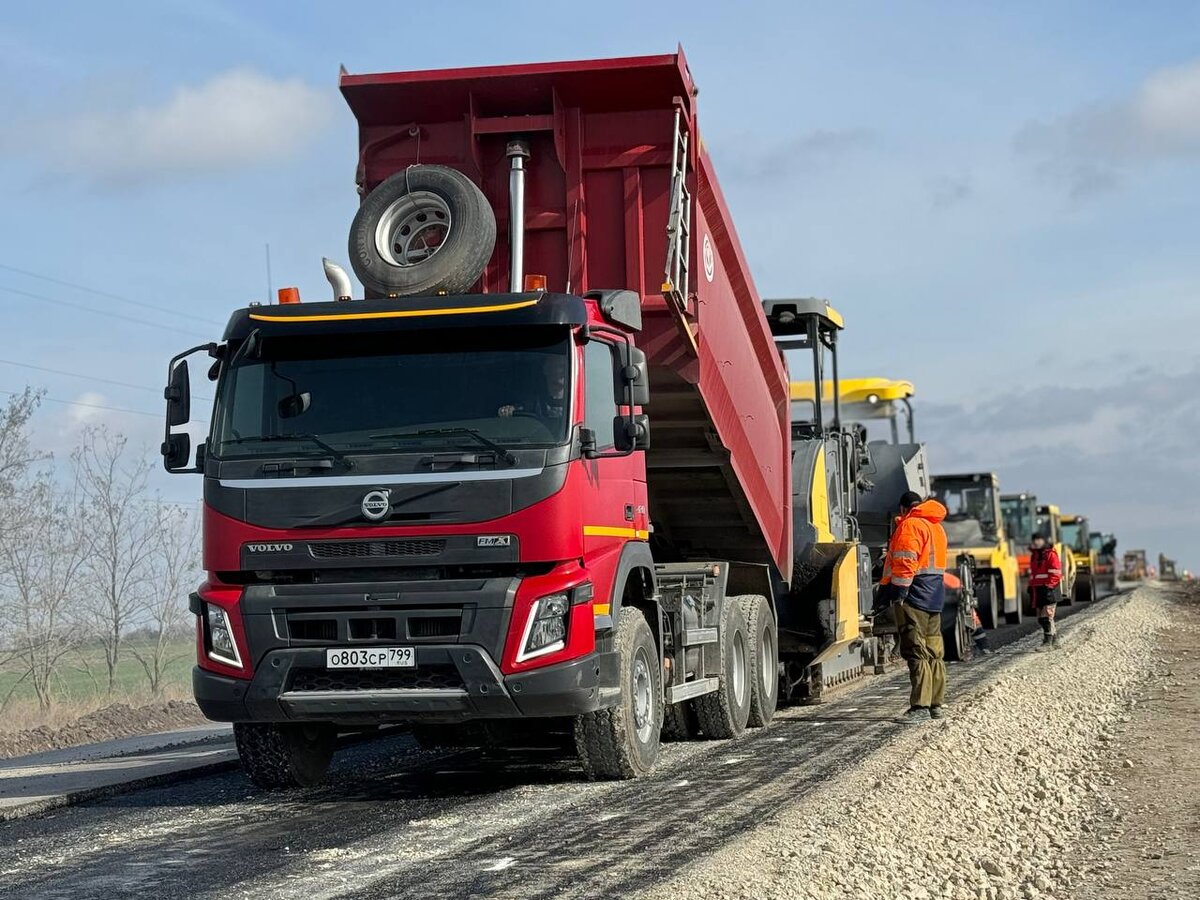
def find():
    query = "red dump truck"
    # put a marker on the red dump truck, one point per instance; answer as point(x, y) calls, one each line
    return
point(439, 503)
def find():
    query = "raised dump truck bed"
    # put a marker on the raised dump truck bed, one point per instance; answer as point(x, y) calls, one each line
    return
point(608, 143)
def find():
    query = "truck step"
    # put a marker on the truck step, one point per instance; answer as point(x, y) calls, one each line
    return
point(677, 693)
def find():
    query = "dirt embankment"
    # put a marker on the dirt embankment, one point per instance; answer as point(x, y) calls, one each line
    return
point(119, 720)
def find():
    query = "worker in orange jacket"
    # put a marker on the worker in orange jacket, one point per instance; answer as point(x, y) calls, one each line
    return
point(913, 581)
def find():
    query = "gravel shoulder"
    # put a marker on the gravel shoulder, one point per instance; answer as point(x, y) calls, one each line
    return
point(987, 803)
point(1146, 843)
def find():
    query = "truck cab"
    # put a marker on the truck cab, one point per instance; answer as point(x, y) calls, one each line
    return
point(975, 525)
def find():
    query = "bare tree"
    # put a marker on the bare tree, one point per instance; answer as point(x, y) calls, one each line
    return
point(16, 458)
point(119, 535)
point(40, 586)
point(175, 567)
point(16, 451)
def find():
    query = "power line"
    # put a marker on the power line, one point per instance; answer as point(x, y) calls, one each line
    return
point(109, 295)
point(99, 312)
point(125, 384)
point(136, 412)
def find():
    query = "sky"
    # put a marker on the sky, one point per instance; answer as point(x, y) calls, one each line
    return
point(1000, 198)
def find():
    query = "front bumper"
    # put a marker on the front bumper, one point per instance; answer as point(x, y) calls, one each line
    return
point(450, 683)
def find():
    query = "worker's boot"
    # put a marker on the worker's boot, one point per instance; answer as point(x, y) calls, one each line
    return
point(1047, 640)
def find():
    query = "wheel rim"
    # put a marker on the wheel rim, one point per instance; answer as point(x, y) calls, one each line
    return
point(412, 229)
point(643, 697)
point(739, 668)
point(766, 662)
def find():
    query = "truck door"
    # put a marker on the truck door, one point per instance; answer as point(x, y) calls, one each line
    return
point(614, 496)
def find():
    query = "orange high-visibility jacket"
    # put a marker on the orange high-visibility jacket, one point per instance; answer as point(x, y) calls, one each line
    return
point(916, 557)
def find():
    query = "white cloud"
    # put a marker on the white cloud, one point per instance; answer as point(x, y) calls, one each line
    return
point(1091, 147)
point(239, 118)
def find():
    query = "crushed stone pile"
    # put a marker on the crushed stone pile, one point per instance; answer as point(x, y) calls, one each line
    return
point(981, 804)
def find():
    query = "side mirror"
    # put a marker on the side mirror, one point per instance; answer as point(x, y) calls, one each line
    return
point(178, 395)
point(636, 376)
point(177, 451)
point(631, 434)
point(294, 405)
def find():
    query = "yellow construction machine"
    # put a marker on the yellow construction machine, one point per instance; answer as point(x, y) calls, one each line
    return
point(1076, 535)
point(975, 527)
point(892, 462)
point(823, 614)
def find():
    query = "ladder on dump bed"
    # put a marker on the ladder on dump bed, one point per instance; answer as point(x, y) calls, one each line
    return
point(676, 274)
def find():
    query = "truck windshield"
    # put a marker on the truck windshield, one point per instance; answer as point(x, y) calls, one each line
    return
point(1044, 525)
point(1075, 537)
point(970, 511)
point(1020, 520)
point(469, 390)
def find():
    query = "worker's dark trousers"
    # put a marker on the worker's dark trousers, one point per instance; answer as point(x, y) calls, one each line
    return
point(1046, 601)
point(921, 646)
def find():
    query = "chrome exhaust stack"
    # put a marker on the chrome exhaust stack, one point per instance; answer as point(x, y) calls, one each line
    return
point(518, 152)
point(338, 279)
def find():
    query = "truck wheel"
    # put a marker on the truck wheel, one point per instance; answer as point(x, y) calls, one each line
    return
point(1016, 618)
point(1067, 598)
point(425, 230)
point(1085, 590)
point(280, 755)
point(724, 713)
point(956, 636)
point(764, 658)
point(622, 741)
point(679, 722)
point(985, 598)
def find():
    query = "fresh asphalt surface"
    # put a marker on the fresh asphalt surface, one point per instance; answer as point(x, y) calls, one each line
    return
point(394, 821)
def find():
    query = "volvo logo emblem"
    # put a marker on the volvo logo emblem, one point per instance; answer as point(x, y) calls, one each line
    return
point(377, 505)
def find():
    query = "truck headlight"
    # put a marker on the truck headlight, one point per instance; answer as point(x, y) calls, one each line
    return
point(546, 630)
point(221, 645)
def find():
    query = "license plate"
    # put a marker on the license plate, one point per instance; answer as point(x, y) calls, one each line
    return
point(371, 658)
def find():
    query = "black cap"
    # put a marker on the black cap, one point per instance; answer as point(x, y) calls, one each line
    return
point(909, 499)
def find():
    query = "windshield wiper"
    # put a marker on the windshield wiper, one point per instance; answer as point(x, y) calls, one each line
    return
point(500, 452)
point(311, 438)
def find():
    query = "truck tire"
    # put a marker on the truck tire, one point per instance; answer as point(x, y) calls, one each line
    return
point(1016, 618)
point(425, 230)
point(679, 722)
point(724, 713)
point(956, 635)
point(764, 658)
point(986, 602)
point(1065, 597)
point(278, 755)
point(1085, 589)
point(622, 741)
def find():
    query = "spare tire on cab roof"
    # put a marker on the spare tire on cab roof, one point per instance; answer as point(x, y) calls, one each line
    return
point(424, 230)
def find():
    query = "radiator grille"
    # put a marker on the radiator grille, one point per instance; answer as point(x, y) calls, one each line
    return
point(374, 549)
point(313, 629)
point(434, 626)
point(435, 677)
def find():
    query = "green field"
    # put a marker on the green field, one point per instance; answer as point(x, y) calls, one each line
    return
point(76, 682)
